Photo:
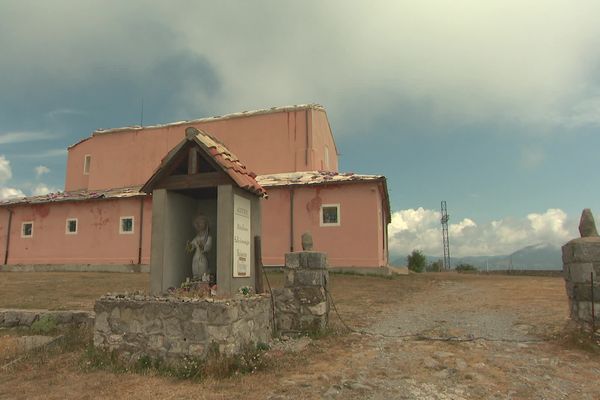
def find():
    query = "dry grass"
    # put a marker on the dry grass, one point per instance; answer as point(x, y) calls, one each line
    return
point(360, 300)
point(64, 290)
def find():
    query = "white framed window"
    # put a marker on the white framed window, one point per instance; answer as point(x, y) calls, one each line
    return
point(126, 225)
point(71, 226)
point(27, 229)
point(87, 161)
point(330, 215)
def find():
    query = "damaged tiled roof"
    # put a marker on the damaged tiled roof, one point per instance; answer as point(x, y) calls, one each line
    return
point(76, 195)
point(313, 178)
point(228, 162)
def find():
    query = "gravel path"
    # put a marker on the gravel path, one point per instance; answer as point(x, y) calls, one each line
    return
point(496, 355)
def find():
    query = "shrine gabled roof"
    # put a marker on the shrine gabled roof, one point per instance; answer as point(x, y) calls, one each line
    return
point(221, 156)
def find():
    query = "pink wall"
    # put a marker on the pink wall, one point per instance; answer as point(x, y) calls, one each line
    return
point(355, 243)
point(267, 143)
point(97, 241)
point(320, 141)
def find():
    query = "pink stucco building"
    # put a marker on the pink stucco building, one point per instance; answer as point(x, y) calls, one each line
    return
point(102, 222)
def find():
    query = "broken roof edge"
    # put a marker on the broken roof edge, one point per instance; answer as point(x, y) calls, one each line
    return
point(327, 177)
point(75, 195)
point(239, 114)
point(343, 178)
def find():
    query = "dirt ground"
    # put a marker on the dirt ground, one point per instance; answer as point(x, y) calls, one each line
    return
point(430, 336)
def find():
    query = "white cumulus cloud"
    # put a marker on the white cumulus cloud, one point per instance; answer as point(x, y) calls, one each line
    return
point(41, 170)
point(9, 193)
point(421, 229)
point(5, 170)
point(41, 189)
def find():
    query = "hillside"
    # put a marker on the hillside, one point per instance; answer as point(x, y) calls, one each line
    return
point(538, 256)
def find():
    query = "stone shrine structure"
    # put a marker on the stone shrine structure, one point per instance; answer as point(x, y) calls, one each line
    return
point(581, 270)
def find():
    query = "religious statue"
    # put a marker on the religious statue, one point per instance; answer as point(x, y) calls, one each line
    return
point(200, 245)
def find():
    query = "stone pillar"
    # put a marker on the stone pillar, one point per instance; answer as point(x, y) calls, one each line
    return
point(581, 259)
point(302, 306)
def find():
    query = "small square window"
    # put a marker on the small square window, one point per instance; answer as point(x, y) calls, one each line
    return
point(27, 229)
point(87, 161)
point(71, 228)
point(126, 225)
point(330, 215)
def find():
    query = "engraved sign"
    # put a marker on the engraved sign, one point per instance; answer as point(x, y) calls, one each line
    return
point(241, 237)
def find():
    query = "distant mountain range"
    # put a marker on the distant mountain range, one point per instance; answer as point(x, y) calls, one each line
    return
point(539, 256)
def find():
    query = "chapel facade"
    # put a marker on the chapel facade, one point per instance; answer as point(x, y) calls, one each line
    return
point(103, 220)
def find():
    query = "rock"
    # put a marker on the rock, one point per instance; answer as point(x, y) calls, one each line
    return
point(460, 364)
point(442, 354)
point(443, 374)
point(331, 392)
point(587, 226)
point(359, 386)
point(307, 241)
point(431, 363)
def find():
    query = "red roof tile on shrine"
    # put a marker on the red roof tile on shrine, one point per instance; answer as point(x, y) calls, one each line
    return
point(230, 164)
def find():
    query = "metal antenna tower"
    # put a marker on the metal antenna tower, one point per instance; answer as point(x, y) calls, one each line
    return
point(445, 240)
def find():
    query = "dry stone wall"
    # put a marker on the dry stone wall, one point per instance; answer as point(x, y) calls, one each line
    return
point(12, 318)
point(302, 305)
point(171, 328)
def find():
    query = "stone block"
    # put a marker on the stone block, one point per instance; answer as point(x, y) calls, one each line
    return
point(200, 314)
point(195, 331)
point(222, 313)
point(582, 250)
point(319, 309)
point(217, 333)
point(197, 350)
point(583, 292)
point(569, 286)
point(579, 272)
point(316, 260)
point(26, 318)
point(101, 322)
point(310, 277)
point(172, 327)
point(293, 260)
point(310, 295)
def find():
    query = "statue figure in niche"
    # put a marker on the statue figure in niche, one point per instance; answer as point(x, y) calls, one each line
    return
point(200, 245)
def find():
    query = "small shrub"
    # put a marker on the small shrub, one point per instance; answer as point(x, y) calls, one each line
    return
point(436, 266)
point(416, 261)
point(465, 268)
point(45, 325)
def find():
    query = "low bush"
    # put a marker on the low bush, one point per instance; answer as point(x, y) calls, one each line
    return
point(465, 268)
point(45, 325)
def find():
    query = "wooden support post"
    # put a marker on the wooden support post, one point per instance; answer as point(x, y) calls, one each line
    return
point(193, 161)
point(258, 280)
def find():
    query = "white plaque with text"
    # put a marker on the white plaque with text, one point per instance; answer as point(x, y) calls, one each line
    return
point(241, 237)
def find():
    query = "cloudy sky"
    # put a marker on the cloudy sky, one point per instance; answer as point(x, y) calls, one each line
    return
point(493, 106)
